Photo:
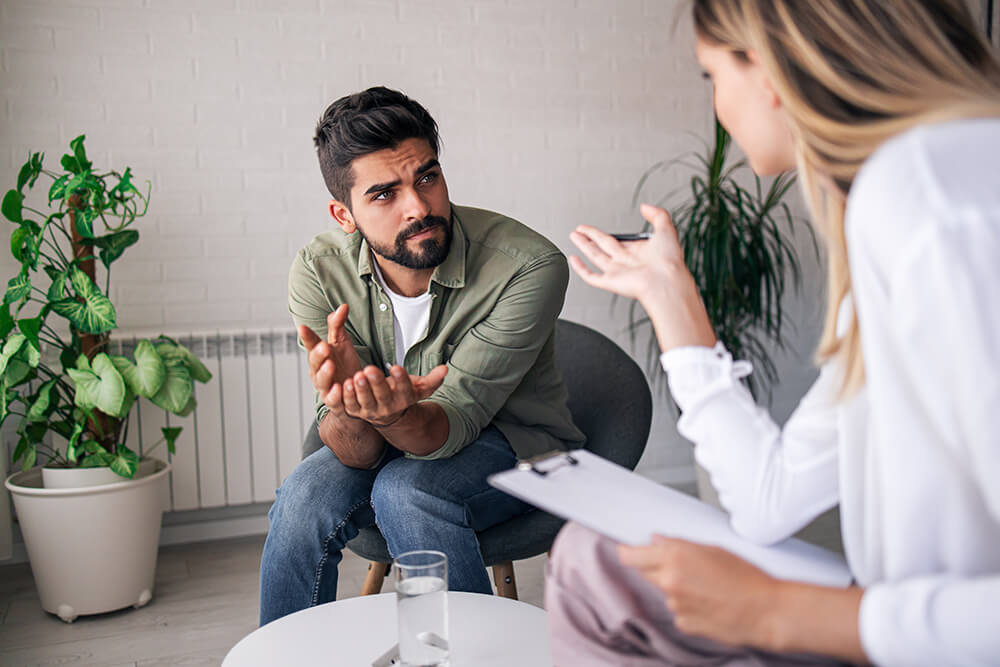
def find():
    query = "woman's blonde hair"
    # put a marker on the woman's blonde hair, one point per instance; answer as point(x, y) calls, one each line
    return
point(852, 74)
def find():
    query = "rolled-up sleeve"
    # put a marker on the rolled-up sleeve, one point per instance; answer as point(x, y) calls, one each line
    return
point(309, 305)
point(489, 363)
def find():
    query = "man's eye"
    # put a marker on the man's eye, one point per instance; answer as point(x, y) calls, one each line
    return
point(429, 178)
point(382, 196)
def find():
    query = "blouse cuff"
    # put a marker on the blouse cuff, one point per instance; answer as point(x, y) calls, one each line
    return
point(695, 373)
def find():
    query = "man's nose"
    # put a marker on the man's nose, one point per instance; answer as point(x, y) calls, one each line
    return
point(416, 207)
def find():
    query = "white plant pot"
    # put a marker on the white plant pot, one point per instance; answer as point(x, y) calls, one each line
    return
point(92, 548)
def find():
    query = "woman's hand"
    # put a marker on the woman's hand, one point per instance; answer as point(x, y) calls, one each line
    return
point(651, 271)
point(710, 592)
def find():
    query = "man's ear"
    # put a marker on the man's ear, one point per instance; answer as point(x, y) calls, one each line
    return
point(342, 215)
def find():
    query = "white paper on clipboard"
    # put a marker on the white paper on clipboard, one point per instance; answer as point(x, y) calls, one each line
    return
point(630, 509)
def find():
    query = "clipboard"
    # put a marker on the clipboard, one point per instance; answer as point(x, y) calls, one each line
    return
point(628, 508)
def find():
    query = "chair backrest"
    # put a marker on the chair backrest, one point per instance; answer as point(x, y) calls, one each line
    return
point(608, 395)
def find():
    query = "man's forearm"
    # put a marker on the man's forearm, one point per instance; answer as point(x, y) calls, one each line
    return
point(353, 441)
point(421, 430)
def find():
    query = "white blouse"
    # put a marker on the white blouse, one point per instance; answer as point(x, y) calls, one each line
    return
point(913, 459)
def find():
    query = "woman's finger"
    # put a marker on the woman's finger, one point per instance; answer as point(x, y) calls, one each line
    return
point(591, 250)
point(591, 277)
point(607, 244)
point(660, 220)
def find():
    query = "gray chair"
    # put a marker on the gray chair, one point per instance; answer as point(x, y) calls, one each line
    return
point(610, 402)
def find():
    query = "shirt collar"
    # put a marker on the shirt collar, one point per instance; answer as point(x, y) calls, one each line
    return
point(450, 273)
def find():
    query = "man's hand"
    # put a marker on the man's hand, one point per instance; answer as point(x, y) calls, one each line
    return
point(382, 400)
point(331, 361)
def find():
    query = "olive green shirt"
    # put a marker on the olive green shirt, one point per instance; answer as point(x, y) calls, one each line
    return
point(494, 303)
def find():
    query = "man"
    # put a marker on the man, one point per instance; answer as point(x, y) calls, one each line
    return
point(429, 329)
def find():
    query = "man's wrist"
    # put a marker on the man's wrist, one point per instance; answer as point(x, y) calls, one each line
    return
point(392, 421)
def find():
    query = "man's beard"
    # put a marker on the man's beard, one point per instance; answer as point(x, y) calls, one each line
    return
point(432, 252)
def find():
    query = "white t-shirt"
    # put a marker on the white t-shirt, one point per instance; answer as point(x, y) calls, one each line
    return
point(914, 458)
point(410, 316)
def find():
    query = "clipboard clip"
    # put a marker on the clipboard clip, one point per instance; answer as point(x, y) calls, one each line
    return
point(552, 460)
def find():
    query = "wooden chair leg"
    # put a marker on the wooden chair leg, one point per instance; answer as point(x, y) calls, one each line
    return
point(503, 575)
point(375, 577)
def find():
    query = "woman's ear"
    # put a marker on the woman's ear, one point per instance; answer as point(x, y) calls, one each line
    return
point(763, 80)
point(343, 216)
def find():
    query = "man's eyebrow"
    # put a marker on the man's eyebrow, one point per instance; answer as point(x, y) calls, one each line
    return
point(381, 187)
point(427, 166)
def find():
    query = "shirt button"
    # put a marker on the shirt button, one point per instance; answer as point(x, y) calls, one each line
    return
point(382, 307)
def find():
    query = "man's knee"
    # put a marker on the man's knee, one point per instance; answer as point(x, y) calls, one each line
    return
point(403, 489)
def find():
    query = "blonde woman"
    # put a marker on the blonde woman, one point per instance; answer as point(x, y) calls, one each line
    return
point(890, 111)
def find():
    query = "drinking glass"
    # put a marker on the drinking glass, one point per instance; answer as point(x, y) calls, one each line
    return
point(422, 608)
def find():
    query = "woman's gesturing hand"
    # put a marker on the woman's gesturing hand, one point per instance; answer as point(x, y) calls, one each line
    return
point(651, 271)
point(629, 268)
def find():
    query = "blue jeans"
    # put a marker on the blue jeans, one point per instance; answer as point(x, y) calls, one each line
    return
point(416, 504)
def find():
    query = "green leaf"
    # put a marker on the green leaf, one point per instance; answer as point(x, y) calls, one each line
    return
point(96, 315)
point(83, 220)
point(10, 348)
point(101, 459)
point(175, 393)
point(146, 377)
point(30, 328)
point(181, 354)
point(29, 172)
point(40, 408)
point(79, 152)
point(12, 204)
point(86, 384)
point(17, 238)
point(82, 283)
point(6, 321)
point(18, 288)
point(57, 290)
point(30, 457)
point(125, 462)
point(4, 401)
point(113, 245)
point(170, 434)
point(102, 388)
point(58, 188)
point(74, 438)
point(20, 365)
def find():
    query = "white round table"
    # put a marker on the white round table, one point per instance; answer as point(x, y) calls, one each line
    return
point(484, 631)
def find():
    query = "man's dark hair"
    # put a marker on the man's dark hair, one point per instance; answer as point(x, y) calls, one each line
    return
point(362, 123)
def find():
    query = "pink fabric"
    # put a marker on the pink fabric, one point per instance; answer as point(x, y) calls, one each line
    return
point(601, 613)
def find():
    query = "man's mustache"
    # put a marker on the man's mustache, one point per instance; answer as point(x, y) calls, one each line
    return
point(421, 225)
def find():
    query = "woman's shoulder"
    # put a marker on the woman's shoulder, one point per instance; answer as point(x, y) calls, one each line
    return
point(925, 180)
point(944, 164)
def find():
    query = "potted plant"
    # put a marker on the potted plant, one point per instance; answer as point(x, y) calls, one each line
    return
point(90, 515)
point(735, 247)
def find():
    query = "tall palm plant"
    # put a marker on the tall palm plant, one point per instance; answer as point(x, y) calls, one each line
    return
point(735, 246)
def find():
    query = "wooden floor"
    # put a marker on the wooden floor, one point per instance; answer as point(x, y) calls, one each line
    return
point(205, 601)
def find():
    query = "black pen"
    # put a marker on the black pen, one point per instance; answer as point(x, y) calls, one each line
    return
point(641, 236)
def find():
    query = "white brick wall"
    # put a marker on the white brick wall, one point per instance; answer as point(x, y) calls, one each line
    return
point(550, 110)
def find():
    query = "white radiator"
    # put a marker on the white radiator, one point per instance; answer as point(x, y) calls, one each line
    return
point(246, 434)
point(244, 437)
